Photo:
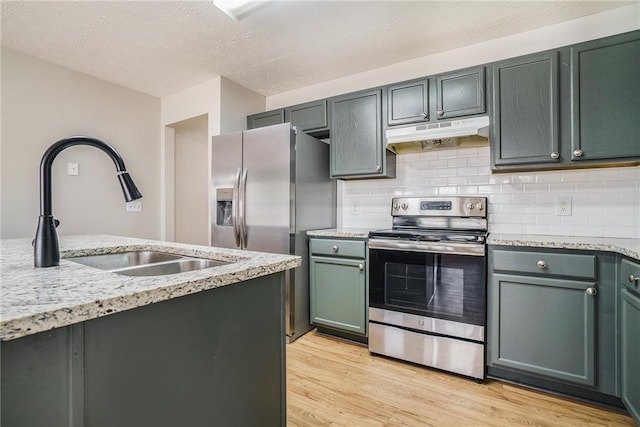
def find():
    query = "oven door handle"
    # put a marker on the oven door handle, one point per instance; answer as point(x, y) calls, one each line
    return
point(430, 247)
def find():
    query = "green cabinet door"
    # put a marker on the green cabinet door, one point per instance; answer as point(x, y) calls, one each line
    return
point(307, 117)
point(338, 293)
point(630, 354)
point(605, 113)
point(408, 103)
point(268, 118)
point(357, 147)
point(525, 119)
point(460, 93)
point(543, 327)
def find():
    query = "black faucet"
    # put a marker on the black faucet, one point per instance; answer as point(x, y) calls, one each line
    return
point(46, 249)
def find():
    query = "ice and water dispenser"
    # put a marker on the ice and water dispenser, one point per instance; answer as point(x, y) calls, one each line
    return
point(224, 206)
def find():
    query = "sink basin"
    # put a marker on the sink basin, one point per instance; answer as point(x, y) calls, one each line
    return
point(145, 263)
point(124, 259)
point(171, 267)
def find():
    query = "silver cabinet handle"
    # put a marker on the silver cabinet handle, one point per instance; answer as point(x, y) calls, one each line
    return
point(591, 291)
point(578, 152)
point(335, 248)
point(440, 113)
point(542, 264)
point(555, 155)
point(634, 279)
point(378, 168)
point(361, 267)
point(425, 115)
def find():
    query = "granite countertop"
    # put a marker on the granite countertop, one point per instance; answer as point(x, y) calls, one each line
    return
point(627, 247)
point(352, 233)
point(35, 300)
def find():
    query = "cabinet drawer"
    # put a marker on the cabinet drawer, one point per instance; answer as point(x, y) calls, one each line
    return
point(344, 248)
point(545, 263)
point(630, 274)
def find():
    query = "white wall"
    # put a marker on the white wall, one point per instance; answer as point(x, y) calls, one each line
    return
point(42, 103)
point(191, 181)
point(605, 201)
point(604, 24)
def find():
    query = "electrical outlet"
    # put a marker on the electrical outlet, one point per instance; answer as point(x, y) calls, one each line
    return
point(135, 206)
point(355, 208)
point(72, 169)
point(563, 206)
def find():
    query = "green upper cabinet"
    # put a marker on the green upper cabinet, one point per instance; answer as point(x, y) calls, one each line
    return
point(605, 114)
point(267, 118)
point(526, 110)
point(310, 117)
point(357, 146)
point(460, 93)
point(408, 103)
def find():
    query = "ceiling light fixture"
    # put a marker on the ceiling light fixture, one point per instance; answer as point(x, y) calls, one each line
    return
point(238, 9)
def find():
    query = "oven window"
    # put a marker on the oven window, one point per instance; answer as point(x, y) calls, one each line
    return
point(443, 286)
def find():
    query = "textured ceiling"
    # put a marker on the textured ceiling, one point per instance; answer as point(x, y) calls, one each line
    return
point(160, 47)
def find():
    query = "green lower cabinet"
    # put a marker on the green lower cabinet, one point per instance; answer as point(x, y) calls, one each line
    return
point(630, 354)
point(338, 281)
point(544, 326)
point(338, 294)
point(188, 361)
point(552, 320)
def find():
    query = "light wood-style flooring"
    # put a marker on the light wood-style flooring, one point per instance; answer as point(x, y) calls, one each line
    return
point(335, 383)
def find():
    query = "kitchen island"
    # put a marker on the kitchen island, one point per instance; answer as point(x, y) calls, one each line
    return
point(82, 346)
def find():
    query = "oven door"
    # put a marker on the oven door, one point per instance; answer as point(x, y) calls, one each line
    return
point(445, 286)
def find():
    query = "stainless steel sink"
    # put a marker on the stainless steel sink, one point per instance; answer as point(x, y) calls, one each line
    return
point(124, 259)
point(171, 267)
point(146, 263)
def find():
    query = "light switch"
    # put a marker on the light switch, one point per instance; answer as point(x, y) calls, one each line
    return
point(72, 169)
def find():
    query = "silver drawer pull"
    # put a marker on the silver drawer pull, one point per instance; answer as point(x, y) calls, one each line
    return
point(361, 267)
point(335, 248)
point(634, 279)
point(591, 291)
point(542, 264)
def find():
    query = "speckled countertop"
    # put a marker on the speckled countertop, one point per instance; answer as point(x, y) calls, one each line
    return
point(35, 300)
point(351, 233)
point(628, 247)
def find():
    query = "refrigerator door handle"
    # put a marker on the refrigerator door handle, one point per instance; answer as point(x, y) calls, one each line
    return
point(236, 208)
point(243, 206)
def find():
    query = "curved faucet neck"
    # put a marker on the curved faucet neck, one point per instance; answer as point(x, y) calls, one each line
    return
point(54, 150)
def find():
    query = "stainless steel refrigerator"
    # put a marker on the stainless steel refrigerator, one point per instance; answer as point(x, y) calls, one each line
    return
point(270, 186)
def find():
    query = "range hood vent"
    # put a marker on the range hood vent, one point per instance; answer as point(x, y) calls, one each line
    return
point(471, 132)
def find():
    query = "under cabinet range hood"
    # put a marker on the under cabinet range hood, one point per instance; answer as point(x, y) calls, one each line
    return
point(469, 132)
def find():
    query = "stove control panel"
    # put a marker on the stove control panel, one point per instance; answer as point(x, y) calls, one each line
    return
point(440, 206)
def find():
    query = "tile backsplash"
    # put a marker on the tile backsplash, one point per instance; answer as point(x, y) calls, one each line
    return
point(603, 202)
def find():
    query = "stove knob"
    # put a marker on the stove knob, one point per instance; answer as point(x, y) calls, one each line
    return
point(469, 206)
point(479, 206)
point(396, 207)
point(405, 206)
